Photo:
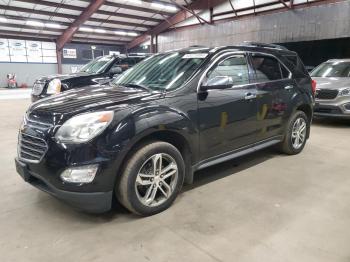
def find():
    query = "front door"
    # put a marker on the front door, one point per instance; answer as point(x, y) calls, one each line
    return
point(227, 107)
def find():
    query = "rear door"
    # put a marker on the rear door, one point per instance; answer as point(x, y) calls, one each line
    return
point(275, 90)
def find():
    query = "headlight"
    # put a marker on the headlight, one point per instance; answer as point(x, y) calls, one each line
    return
point(83, 128)
point(54, 87)
point(345, 92)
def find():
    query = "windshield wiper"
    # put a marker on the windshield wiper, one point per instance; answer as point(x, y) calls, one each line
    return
point(138, 86)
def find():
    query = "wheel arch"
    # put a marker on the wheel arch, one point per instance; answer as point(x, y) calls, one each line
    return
point(170, 136)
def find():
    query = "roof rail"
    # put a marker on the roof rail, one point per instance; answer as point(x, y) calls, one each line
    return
point(257, 44)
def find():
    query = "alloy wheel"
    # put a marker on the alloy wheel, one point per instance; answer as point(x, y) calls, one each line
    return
point(299, 133)
point(156, 180)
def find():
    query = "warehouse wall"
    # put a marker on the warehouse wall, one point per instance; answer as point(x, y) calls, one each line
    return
point(311, 23)
point(25, 73)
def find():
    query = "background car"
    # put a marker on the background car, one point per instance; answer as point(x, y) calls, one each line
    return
point(99, 71)
point(333, 88)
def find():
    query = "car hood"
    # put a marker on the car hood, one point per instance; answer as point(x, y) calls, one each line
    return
point(91, 98)
point(332, 82)
point(63, 76)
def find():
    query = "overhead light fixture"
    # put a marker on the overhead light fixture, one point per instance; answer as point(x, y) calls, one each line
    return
point(86, 29)
point(52, 25)
point(34, 23)
point(132, 34)
point(162, 6)
point(3, 19)
point(100, 31)
point(120, 32)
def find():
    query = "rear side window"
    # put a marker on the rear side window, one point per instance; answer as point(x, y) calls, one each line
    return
point(296, 63)
point(268, 68)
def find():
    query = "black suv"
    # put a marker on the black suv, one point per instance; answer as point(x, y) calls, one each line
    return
point(98, 71)
point(142, 136)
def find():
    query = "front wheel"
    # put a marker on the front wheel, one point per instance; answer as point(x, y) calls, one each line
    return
point(296, 134)
point(152, 178)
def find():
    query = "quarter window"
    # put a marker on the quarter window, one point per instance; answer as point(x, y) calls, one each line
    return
point(231, 71)
point(268, 68)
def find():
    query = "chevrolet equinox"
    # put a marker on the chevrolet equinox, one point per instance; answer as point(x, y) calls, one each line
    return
point(141, 137)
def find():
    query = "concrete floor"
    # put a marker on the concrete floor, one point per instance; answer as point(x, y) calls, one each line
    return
point(263, 207)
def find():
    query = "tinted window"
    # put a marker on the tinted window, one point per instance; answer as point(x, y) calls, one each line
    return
point(268, 68)
point(296, 63)
point(231, 71)
point(97, 65)
point(124, 63)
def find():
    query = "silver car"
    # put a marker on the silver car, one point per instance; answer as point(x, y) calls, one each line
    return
point(333, 88)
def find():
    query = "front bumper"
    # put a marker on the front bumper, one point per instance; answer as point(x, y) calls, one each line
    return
point(337, 108)
point(92, 202)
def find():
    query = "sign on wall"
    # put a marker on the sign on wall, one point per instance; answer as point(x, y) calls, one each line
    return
point(34, 51)
point(17, 50)
point(12, 50)
point(4, 50)
point(69, 53)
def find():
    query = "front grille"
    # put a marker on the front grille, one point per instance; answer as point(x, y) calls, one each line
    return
point(30, 148)
point(326, 94)
point(38, 87)
point(32, 122)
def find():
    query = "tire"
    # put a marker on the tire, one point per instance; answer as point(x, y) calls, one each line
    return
point(140, 178)
point(288, 145)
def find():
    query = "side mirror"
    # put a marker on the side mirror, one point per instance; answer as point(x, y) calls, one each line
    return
point(217, 82)
point(115, 70)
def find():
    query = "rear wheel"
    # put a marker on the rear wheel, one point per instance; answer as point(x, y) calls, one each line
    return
point(296, 134)
point(152, 178)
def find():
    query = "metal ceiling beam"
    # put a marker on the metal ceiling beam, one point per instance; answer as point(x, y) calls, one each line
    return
point(83, 17)
point(285, 4)
point(98, 41)
point(68, 16)
point(175, 19)
point(257, 6)
point(136, 8)
point(191, 11)
point(29, 34)
point(81, 9)
point(31, 27)
point(16, 25)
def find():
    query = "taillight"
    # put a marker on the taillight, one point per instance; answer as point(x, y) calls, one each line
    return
point(313, 85)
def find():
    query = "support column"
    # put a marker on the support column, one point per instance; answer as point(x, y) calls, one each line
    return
point(152, 47)
point(154, 44)
point(59, 61)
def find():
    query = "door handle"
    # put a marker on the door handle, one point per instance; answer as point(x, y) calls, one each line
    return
point(249, 96)
point(288, 87)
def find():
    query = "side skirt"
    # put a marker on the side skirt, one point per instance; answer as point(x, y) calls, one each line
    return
point(237, 153)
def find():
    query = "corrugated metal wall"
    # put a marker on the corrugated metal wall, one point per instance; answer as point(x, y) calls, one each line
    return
point(312, 23)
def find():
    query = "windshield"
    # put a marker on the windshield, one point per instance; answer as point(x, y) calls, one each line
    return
point(332, 69)
point(97, 65)
point(164, 71)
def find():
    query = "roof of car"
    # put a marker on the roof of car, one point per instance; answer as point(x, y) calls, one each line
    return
point(339, 60)
point(246, 46)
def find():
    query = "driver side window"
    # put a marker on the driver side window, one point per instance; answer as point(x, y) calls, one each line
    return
point(231, 71)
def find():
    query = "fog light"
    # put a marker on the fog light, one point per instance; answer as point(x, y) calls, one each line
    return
point(81, 174)
point(347, 106)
